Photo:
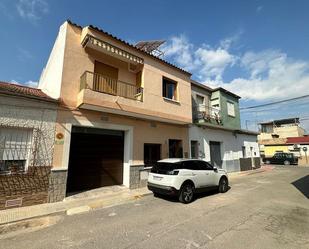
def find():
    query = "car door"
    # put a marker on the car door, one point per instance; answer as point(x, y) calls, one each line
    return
point(196, 174)
point(207, 174)
point(275, 159)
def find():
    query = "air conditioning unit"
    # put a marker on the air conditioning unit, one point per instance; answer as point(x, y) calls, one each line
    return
point(296, 146)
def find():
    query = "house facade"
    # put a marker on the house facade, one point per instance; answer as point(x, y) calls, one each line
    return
point(27, 130)
point(216, 135)
point(121, 109)
point(274, 135)
point(299, 146)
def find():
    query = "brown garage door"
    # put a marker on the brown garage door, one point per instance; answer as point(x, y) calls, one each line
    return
point(96, 159)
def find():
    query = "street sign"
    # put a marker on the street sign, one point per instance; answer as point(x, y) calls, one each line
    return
point(305, 149)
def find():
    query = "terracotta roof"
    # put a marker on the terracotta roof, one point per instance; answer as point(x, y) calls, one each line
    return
point(214, 89)
point(198, 84)
point(24, 91)
point(130, 45)
point(298, 140)
point(227, 92)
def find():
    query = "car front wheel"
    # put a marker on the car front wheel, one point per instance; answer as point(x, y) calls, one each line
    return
point(187, 193)
point(223, 185)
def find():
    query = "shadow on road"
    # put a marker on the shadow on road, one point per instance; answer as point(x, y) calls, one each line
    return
point(302, 184)
point(197, 195)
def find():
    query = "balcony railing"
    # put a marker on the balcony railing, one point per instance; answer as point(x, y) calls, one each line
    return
point(101, 83)
point(204, 113)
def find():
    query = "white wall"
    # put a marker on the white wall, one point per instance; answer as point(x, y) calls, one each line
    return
point(51, 76)
point(231, 145)
point(39, 116)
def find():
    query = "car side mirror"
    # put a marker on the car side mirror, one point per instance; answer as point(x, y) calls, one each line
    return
point(215, 169)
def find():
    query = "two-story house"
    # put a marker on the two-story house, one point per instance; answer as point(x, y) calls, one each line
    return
point(274, 136)
point(121, 109)
point(216, 133)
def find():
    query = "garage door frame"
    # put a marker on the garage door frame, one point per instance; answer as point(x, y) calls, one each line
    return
point(128, 144)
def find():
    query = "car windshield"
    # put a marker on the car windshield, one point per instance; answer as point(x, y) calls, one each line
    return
point(163, 168)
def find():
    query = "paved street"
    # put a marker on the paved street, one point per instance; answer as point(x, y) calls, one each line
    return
point(263, 210)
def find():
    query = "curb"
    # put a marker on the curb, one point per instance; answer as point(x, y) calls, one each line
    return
point(32, 222)
point(249, 172)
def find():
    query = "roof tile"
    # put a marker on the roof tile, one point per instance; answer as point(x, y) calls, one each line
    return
point(19, 90)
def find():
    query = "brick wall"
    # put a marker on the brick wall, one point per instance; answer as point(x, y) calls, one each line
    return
point(138, 176)
point(57, 185)
point(30, 188)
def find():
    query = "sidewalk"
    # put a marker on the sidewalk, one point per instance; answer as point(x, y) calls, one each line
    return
point(263, 168)
point(83, 202)
point(90, 200)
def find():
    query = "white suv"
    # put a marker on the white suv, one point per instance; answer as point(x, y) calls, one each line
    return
point(185, 177)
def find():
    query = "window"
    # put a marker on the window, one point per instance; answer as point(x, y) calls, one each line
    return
point(15, 148)
point(230, 109)
point(165, 168)
point(152, 154)
point(200, 100)
point(191, 165)
point(244, 151)
point(204, 165)
point(194, 149)
point(169, 89)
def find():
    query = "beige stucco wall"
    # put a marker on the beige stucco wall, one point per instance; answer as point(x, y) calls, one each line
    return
point(143, 132)
point(284, 132)
point(289, 131)
point(77, 60)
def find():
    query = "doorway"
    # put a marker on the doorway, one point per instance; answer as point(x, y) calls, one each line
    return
point(215, 154)
point(96, 158)
point(175, 148)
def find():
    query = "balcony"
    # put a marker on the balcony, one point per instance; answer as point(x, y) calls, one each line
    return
point(104, 94)
point(103, 84)
point(207, 114)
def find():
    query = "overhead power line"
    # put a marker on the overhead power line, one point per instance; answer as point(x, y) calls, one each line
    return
point(273, 103)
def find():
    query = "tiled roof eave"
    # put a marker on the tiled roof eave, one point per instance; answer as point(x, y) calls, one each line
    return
point(132, 46)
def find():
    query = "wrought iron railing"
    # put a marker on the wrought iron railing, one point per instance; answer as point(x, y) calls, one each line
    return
point(208, 114)
point(101, 83)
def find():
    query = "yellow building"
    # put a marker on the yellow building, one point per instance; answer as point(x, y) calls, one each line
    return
point(274, 134)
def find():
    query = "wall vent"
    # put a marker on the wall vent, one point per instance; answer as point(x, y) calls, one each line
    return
point(14, 203)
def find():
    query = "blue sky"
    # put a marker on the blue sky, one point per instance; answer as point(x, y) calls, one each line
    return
point(258, 49)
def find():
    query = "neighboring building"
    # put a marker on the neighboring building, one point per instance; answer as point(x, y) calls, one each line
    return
point(27, 131)
point(216, 134)
point(299, 146)
point(274, 135)
point(281, 128)
point(121, 109)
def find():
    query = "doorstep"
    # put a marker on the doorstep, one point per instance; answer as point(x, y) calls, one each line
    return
point(87, 201)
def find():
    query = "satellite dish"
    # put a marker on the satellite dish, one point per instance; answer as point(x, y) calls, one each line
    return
point(151, 47)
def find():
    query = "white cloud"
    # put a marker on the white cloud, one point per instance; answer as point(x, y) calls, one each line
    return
point(29, 83)
point(272, 74)
point(24, 55)
point(211, 63)
point(259, 9)
point(179, 48)
point(208, 61)
point(32, 10)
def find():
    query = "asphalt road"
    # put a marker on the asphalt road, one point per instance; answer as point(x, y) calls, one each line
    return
point(264, 210)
